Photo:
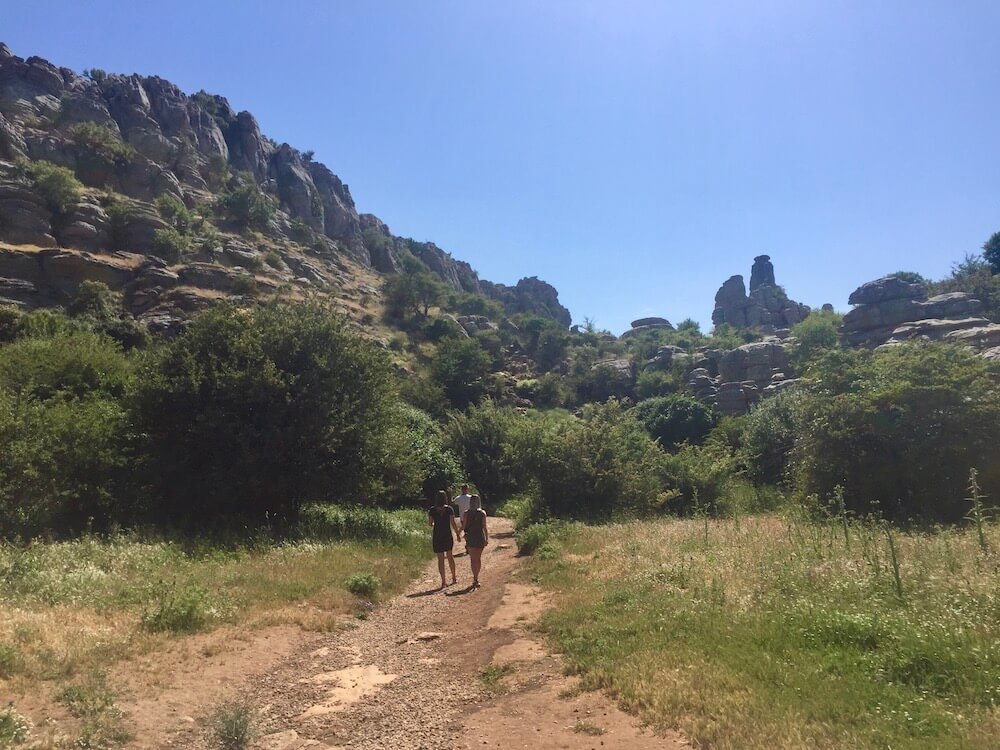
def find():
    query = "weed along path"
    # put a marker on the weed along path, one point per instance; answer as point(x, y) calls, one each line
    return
point(453, 668)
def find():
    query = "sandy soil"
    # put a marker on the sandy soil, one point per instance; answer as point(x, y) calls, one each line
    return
point(409, 676)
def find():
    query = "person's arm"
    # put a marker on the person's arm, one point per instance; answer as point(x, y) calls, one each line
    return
point(458, 531)
point(486, 531)
point(465, 520)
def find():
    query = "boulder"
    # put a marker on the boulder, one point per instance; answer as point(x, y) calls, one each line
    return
point(65, 270)
point(24, 217)
point(886, 289)
point(211, 276)
point(652, 321)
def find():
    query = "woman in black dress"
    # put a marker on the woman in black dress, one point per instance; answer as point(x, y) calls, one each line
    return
point(477, 536)
point(442, 518)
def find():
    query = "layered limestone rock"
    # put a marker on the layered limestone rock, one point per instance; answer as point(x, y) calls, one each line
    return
point(647, 324)
point(767, 307)
point(737, 379)
point(890, 304)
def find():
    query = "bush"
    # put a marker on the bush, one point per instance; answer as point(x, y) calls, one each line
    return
point(250, 413)
point(14, 728)
point(234, 726)
point(101, 143)
point(599, 466)
point(185, 611)
point(337, 523)
point(175, 213)
point(676, 419)
point(769, 436)
point(435, 466)
point(900, 431)
point(460, 367)
point(170, 244)
point(57, 185)
point(532, 537)
point(814, 335)
point(247, 206)
point(363, 584)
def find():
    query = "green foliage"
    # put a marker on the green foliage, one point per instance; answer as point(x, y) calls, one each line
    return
point(15, 729)
point(363, 584)
point(170, 244)
point(413, 291)
point(102, 310)
point(816, 334)
point(769, 436)
point(175, 213)
point(101, 143)
point(273, 259)
point(249, 414)
point(425, 394)
point(246, 205)
point(435, 465)
point(337, 523)
point(975, 275)
point(651, 383)
point(901, 432)
point(234, 726)
point(10, 318)
point(991, 252)
point(531, 537)
point(185, 610)
point(467, 303)
point(602, 464)
point(699, 477)
point(601, 383)
point(676, 419)
point(57, 185)
point(460, 367)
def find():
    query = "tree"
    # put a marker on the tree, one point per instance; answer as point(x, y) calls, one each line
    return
point(460, 366)
point(991, 252)
point(250, 413)
point(817, 333)
point(246, 205)
point(676, 419)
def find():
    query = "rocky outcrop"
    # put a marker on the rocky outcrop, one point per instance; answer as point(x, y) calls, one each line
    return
point(767, 307)
point(737, 379)
point(647, 324)
point(762, 272)
point(888, 304)
point(532, 296)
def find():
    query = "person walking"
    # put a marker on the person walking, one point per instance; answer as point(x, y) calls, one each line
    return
point(442, 519)
point(462, 501)
point(477, 536)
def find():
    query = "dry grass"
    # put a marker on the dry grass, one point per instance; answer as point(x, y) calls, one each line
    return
point(70, 610)
point(773, 632)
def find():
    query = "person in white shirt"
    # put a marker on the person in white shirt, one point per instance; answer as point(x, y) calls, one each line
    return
point(463, 502)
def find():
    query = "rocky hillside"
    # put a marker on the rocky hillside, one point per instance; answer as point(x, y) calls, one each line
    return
point(176, 200)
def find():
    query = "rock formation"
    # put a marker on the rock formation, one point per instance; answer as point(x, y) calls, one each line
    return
point(737, 379)
point(767, 307)
point(647, 324)
point(142, 138)
point(890, 310)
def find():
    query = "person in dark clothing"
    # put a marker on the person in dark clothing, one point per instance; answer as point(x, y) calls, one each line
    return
point(442, 519)
point(477, 536)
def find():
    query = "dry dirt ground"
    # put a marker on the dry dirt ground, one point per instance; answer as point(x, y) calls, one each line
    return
point(411, 675)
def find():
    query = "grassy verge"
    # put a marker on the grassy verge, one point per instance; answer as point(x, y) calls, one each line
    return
point(769, 632)
point(69, 610)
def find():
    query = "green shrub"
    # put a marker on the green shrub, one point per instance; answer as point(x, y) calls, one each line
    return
point(246, 286)
point(15, 729)
point(247, 206)
point(329, 523)
point(676, 419)
point(534, 536)
point(170, 244)
point(175, 213)
point(460, 366)
point(234, 726)
point(250, 413)
point(363, 584)
point(57, 185)
point(187, 610)
point(273, 259)
point(899, 429)
point(101, 143)
point(814, 335)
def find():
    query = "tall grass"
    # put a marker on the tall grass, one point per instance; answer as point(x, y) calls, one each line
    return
point(783, 632)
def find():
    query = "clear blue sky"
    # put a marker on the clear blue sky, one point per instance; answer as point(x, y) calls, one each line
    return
point(634, 154)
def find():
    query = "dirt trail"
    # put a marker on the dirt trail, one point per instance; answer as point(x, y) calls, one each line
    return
point(409, 676)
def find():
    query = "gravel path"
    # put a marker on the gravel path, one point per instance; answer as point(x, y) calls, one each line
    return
point(403, 678)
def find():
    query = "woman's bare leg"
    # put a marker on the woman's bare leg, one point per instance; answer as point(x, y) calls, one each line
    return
point(477, 564)
point(451, 562)
point(441, 567)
